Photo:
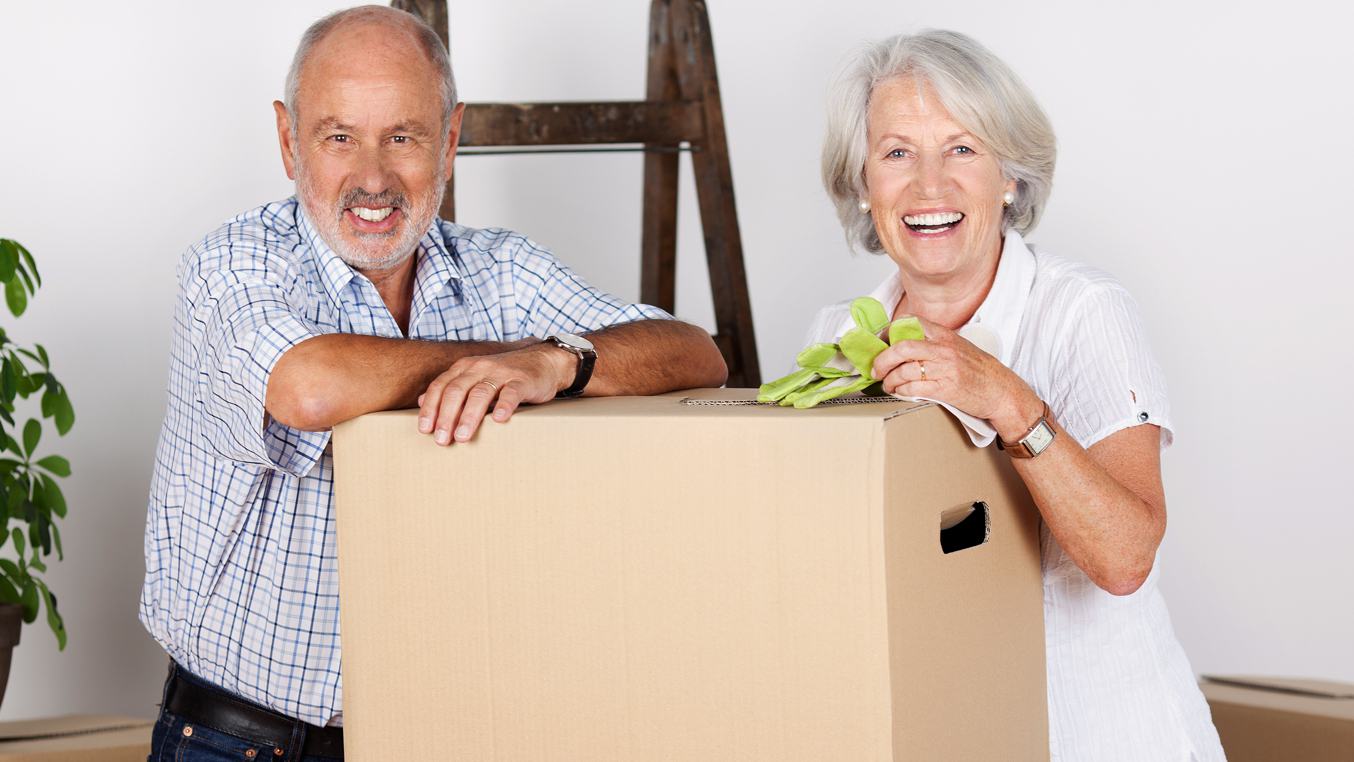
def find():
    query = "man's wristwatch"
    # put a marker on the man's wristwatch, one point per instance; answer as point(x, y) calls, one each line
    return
point(1035, 441)
point(587, 357)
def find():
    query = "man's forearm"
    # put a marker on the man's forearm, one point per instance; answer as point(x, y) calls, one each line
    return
point(652, 357)
point(329, 379)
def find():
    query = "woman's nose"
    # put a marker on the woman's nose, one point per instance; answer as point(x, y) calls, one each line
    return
point(932, 179)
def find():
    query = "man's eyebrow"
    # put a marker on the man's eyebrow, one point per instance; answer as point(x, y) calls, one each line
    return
point(332, 124)
point(414, 127)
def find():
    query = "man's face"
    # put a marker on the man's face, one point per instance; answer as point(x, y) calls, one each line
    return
point(370, 153)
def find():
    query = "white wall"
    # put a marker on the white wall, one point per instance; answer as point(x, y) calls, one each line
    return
point(1205, 160)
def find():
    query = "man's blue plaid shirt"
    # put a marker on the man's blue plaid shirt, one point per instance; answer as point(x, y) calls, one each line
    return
point(241, 569)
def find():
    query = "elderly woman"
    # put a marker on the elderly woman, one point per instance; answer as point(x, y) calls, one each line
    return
point(939, 157)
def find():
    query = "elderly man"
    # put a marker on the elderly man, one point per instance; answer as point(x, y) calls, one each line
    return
point(351, 297)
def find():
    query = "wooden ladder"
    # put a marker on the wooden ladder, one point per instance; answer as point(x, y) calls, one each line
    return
point(681, 112)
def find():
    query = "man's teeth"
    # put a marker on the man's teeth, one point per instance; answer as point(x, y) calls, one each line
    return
point(932, 220)
point(372, 215)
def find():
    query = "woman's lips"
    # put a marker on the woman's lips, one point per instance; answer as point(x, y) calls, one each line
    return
point(932, 224)
point(368, 220)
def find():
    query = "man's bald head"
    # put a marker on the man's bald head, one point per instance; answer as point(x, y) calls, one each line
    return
point(420, 37)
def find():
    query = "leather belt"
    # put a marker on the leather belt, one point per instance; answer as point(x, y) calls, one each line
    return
point(202, 704)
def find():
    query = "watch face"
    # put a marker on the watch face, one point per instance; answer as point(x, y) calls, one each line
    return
point(1039, 439)
point(577, 342)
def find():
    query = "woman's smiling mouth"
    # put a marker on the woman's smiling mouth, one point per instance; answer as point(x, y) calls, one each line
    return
point(932, 223)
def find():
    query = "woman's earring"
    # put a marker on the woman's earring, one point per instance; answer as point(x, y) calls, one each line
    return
point(864, 206)
point(1008, 197)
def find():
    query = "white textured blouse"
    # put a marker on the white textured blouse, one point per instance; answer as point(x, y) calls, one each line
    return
point(1119, 684)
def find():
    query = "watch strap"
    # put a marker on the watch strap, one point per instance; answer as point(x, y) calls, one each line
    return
point(1035, 440)
point(587, 359)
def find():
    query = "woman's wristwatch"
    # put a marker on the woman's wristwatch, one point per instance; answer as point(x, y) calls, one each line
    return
point(1035, 441)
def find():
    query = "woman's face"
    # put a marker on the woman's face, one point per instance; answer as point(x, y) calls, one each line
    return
point(935, 189)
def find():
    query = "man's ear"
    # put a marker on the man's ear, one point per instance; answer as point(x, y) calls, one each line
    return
point(453, 137)
point(284, 138)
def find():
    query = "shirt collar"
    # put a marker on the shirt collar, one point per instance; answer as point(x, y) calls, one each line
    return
point(335, 274)
point(999, 313)
point(435, 265)
point(436, 270)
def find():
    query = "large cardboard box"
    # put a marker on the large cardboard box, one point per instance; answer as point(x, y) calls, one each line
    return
point(1273, 719)
point(76, 738)
point(640, 579)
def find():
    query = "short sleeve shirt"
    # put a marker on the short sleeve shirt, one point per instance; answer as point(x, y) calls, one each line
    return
point(241, 582)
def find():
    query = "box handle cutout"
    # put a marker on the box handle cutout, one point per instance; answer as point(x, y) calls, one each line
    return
point(965, 526)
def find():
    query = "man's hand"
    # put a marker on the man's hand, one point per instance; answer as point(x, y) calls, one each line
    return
point(639, 358)
point(456, 401)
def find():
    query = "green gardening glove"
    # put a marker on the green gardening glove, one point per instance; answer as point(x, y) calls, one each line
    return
point(823, 368)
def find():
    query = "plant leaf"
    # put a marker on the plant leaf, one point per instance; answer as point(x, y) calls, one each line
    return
point(54, 619)
point(20, 544)
point(9, 381)
point(9, 258)
point(56, 540)
point(28, 282)
point(29, 600)
point(8, 592)
point(12, 570)
point(42, 356)
point(51, 495)
point(64, 413)
point(28, 260)
point(32, 435)
point(16, 297)
point(56, 464)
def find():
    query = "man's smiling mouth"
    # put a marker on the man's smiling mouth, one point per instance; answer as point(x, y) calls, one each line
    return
point(935, 222)
point(372, 215)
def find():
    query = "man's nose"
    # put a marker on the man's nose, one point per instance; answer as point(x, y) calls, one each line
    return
point(371, 172)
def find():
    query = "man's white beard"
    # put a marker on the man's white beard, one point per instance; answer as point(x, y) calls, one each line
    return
point(402, 242)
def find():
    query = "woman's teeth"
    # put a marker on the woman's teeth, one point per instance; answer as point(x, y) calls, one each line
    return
point(937, 222)
point(372, 215)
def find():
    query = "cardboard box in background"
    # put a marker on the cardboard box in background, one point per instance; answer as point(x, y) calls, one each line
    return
point(76, 738)
point(640, 579)
point(1275, 719)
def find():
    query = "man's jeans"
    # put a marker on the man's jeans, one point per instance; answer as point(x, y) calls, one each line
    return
point(178, 740)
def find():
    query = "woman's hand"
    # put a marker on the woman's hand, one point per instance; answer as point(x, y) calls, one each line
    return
point(949, 368)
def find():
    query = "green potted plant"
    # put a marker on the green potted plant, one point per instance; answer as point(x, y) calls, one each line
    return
point(30, 498)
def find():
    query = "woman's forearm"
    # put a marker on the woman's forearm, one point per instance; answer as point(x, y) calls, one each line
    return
point(1105, 506)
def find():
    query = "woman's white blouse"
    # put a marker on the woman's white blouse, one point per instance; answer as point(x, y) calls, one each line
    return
point(1119, 685)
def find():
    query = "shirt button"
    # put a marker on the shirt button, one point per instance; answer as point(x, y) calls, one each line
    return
point(277, 752)
point(187, 730)
point(1143, 417)
point(250, 753)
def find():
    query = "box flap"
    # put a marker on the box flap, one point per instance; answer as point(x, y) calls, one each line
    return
point(1303, 687)
point(70, 725)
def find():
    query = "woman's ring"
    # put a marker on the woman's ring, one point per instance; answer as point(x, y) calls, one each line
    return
point(922, 365)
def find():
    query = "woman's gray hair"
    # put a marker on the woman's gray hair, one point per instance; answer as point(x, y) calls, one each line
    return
point(427, 38)
point(980, 92)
